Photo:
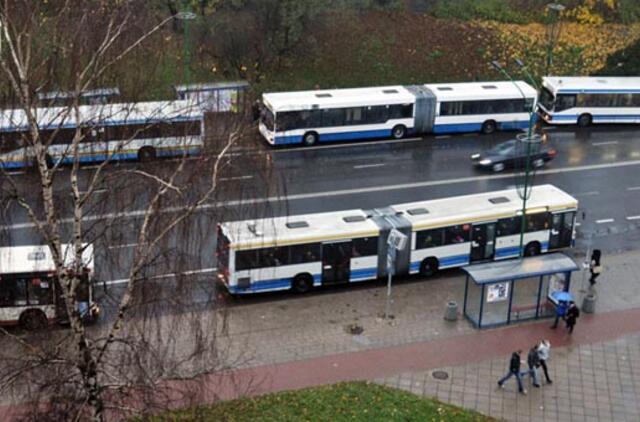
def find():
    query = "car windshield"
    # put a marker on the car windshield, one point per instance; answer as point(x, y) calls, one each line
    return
point(504, 148)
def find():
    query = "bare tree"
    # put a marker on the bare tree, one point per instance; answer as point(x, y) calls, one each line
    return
point(145, 221)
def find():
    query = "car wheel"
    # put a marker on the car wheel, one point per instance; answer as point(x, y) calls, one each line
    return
point(497, 167)
point(538, 162)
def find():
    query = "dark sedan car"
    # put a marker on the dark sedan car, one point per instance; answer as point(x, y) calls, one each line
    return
point(513, 154)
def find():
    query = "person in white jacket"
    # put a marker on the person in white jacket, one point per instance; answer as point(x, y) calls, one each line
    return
point(544, 348)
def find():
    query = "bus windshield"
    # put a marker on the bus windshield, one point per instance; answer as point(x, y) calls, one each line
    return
point(266, 117)
point(547, 100)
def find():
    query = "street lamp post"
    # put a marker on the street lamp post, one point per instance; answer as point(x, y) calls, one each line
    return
point(186, 16)
point(529, 139)
point(553, 32)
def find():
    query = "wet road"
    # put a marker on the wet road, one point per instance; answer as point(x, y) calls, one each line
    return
point(598, 165)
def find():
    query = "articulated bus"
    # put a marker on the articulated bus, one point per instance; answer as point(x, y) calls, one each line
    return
point(123, 131)
point(309, 117)
point(587, 100)
point(30, 295)
point(300, 252)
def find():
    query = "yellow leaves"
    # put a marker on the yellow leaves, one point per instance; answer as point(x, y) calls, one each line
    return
point(593, 43)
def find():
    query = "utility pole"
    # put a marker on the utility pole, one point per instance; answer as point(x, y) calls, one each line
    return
point(553, 31)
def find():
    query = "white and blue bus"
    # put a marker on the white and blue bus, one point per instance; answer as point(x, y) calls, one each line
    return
point(125, 131)
point(308, 117)
point(585, 100)
point(300, 252)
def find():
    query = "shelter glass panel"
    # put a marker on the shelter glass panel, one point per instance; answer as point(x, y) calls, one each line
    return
point(474, 299)
point(496, 303)
point(525, 298)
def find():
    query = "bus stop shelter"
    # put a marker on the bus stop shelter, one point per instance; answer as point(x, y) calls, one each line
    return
point(504, 292)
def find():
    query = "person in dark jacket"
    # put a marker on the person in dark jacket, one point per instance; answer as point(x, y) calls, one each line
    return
point(514, 370)
point(533, 362)
point(572, 315)
point(561, 310)
point(594, 266)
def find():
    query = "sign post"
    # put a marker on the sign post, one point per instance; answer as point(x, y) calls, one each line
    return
point(395, 242)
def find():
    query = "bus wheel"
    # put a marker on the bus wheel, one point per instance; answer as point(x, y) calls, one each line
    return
point(532, 249)
point(33, 320)
point(146, 154)
point(584, 120)
point(398, 132)
point(429, 267)
point(302, 283)
point(310, 139)
point(488, 127)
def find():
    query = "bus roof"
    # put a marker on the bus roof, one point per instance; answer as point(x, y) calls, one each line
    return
point(103, 114)
point(481, 90)
point(351, 97)
point(591, 84)
point(483, 207)
point(29, 259)
point(281, 230)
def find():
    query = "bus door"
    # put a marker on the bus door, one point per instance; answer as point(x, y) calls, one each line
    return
point(483, 238)
point(336, 261)
point(561, 232)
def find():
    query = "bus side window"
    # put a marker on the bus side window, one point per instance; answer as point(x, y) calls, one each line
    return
point(246, 260)
point(365, 246)
point(429, 238)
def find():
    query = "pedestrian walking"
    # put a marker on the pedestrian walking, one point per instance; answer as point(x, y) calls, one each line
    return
point(573, 313)
point(514, 370)
point(561, 310)
point(533, 361)
point(595, 267)
point(544, 349)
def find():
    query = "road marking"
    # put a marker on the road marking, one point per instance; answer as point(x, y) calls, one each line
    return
point(577, 224)
point(599, 144)
point(127, 245)
point(226, 179)
point(468, 135)
point(15, 173)
point(591, 193)
point(366, 166)
point(103, 190)
point(634, 188)
point(443, 137)
point(605, 220)
point(633, 217)
point(157, 277)
point(344, 192)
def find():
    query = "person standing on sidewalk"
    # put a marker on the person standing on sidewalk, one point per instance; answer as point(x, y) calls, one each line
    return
point(533, 361)
point(544, 348)
point(572, 316)
point(561, 310)
point(595, 268)
point(514, 370)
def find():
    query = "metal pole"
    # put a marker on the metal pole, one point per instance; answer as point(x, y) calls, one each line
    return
point(185, 17)
point(498, 67)
point(391, 262)
point(555, 10)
